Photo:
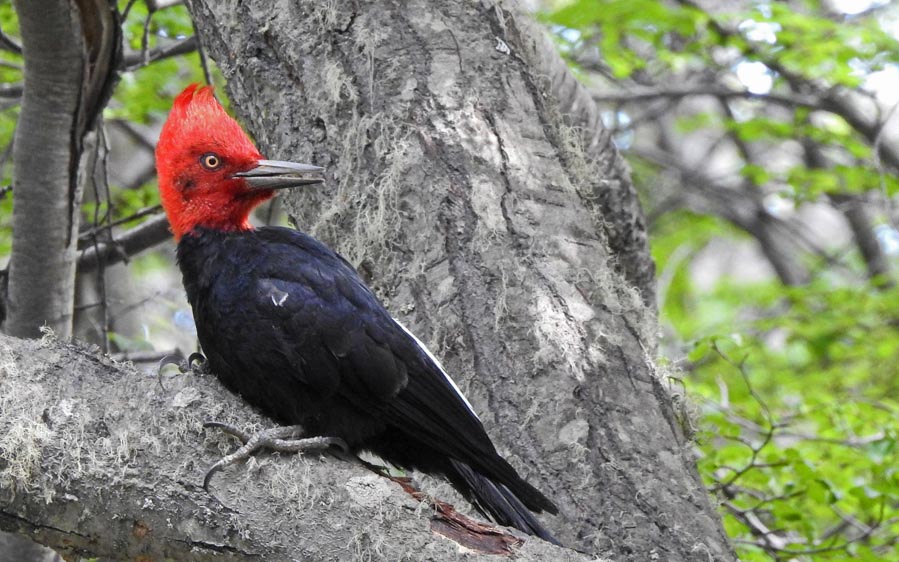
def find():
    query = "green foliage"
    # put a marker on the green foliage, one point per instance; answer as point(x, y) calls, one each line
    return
point(651, 42)
point(799, 419)
point(145, 95)
point(798, 391)
point(629, 27)
point(819, 47)
point(10, 75)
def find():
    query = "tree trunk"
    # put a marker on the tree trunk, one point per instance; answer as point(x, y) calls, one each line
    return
point(71, 50)
point(458, 189)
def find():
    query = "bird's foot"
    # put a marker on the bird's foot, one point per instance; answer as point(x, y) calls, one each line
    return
point(285, 439)
point(195, 363)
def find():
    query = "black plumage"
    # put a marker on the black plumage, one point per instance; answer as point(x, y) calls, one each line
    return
point(287, 323)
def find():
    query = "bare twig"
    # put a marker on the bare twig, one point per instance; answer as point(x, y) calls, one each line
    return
point(138, 59)
point(145, 212)
point(127, 9)
point(204, 63)
point(100, 183)
point(145, 40)
point(642, 95)
point(11, 91)
point(8, 44)
point(151, 233)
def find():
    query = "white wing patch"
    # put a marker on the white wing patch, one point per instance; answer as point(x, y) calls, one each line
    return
point(268, 288)
point(439, 366)
point(278, 297)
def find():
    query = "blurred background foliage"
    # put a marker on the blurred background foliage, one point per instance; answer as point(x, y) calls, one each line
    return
point(763, 141)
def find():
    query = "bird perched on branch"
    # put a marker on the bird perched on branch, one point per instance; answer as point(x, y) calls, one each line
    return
point(288, 324)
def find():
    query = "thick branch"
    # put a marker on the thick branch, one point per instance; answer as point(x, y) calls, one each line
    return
point(877, 262)
point(854, 209)
point(742, 207)
point(81, 435)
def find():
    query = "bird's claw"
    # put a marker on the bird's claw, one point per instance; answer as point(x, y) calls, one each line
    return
point(195, 363)
point(202, 364)
point(285, 439)
point(172, 359)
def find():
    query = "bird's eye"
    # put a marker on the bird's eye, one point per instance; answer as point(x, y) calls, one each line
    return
point(211, 161)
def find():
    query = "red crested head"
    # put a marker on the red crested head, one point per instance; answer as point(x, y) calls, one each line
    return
point(210, 173)
point(199, 150)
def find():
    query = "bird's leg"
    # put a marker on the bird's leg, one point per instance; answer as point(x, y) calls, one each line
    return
point(285, 439)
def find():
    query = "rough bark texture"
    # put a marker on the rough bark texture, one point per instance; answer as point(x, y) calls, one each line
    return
point(608, 191)
point(97, 459)
point(474, 208)
point(71, 50)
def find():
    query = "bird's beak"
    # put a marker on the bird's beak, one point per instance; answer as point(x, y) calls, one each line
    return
point(275, 174)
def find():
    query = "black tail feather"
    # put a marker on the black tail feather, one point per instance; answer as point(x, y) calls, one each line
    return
point(497, 501)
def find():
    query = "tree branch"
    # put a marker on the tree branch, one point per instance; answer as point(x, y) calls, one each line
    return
point(855, 210)
point(135, 59)
point(742, 207)
point(151, 233)
point(11, 91)
point(8, 44)
point(147, 211)
point(80, 434)
point(642, 95)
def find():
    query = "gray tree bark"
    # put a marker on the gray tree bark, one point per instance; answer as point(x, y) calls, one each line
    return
point(482, 217)
point(71, 50)
point(98, 459)
point(501, 232)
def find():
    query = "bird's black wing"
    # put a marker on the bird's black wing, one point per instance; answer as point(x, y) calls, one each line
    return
point(381, 367)
point(318, 298)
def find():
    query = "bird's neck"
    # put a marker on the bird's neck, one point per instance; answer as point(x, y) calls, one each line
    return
point(228, 215)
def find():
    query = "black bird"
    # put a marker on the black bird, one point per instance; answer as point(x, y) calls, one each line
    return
point(288, 324)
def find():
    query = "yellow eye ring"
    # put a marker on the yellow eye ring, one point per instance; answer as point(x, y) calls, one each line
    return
point(211, 161)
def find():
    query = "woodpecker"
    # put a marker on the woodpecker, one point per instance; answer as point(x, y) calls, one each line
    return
point(288, 324)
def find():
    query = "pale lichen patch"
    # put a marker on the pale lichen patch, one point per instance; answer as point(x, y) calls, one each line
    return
point(369, 491)
point(22, 432)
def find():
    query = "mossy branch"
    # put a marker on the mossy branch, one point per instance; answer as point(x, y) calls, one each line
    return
point(99, 459)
